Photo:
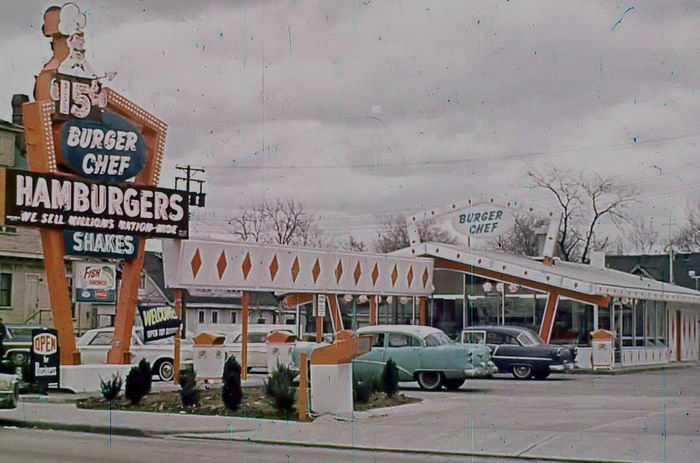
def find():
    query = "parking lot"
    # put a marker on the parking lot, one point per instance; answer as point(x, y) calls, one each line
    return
point(645, 416)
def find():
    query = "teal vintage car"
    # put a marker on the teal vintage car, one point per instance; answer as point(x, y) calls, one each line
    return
point(422, 353)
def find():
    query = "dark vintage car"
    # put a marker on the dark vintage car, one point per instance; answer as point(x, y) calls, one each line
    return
point(17, 345)
point(520, 351)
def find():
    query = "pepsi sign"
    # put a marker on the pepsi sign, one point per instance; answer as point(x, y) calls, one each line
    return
point(112, 149)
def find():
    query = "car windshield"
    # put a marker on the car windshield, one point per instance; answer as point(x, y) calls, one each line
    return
point(437, 339)
point(20, 334)
point(528, 338)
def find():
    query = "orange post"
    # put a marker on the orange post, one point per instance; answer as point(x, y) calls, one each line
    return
point(244, 335)
point(303, 386)
point(373, 310)
point(176, 353)
point(319, 328)
point(126, 306)
point(550, 312)
point(422, 313)
point(52, 241)
point(334, 308)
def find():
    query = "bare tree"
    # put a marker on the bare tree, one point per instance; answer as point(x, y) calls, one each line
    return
point(585, 202)
point(688, 237)
point(640, 237)
point(522, 238)
point(394, 234)
point(281, 222)
point(351, 244)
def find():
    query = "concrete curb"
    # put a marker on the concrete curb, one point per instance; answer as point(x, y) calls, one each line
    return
point(639, 369)
point(123, 431)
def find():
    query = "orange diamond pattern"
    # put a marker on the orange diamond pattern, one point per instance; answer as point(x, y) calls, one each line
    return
point(357, 273)
point(409, 276)
point(394, 275)
point(338, 271)
point(246, 266)
point(221, 264)
point(274, 268)
point(316, 270)
point(426, 275)
point(295, 269)
point(375, 274)
point(196, 263)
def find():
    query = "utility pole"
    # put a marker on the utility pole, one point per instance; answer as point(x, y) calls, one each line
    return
point(670, 249)
point(196, 198)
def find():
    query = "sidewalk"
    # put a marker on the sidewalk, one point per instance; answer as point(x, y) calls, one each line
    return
point(620, 370)
point(415, 428)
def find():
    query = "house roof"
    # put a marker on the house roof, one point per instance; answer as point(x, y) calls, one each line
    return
point(5, 125)
point(153, 266)
point(573, 276)
point(657, 266)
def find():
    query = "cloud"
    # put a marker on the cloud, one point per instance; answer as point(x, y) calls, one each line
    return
point(276, 98)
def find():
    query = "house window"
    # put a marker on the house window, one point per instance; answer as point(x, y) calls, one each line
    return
point(233, 317)
point(142, 281)
point(5, 289)
point(215, 316)
point(201, 316)
point(9, 230)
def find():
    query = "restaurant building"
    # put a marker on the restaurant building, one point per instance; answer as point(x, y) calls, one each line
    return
point(652, 321)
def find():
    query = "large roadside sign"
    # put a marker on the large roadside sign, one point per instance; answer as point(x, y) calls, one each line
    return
point(57, 201)
point(44, 356)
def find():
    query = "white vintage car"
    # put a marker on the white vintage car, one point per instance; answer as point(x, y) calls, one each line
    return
point(94, 345)
point(9, 390)
point(257, 344)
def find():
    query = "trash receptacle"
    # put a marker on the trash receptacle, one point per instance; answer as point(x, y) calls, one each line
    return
point(603, 349)
point(209, 356)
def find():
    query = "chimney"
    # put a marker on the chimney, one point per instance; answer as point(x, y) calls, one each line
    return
point(17, 101)
point(597, 259)
point(541, 237)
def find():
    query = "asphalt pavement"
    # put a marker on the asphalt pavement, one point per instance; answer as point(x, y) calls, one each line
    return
point(651, 416)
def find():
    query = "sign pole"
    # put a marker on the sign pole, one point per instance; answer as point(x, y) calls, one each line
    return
point(52, 243)
point(176, 347)
point(320, 312)
point(244, 335)
point(126, 306)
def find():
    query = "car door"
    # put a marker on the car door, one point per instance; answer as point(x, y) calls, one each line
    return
point(371, 364)
point(95, 351)
point(257, 350)
point(495, 342)
point(405, 350)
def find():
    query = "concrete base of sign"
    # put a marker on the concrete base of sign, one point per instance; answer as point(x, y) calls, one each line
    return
point(86, 378)
point(331, 389)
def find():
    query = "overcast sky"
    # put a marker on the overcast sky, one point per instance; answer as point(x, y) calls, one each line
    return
point(361, 109)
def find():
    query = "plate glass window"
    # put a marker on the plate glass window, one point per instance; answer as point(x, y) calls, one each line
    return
point(5, 289)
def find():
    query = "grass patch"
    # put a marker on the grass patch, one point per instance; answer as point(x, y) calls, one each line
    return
point(255, 404)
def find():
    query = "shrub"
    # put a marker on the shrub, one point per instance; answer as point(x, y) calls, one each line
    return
point(147, 373)
point(110, 389)
point(137, 386)
point(390, 378)
point(363, 391)
point(231, 392)
point(279, 388)
point(188, 387)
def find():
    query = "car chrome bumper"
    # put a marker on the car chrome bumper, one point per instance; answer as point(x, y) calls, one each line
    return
point(567, 366)
point(485, 369)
